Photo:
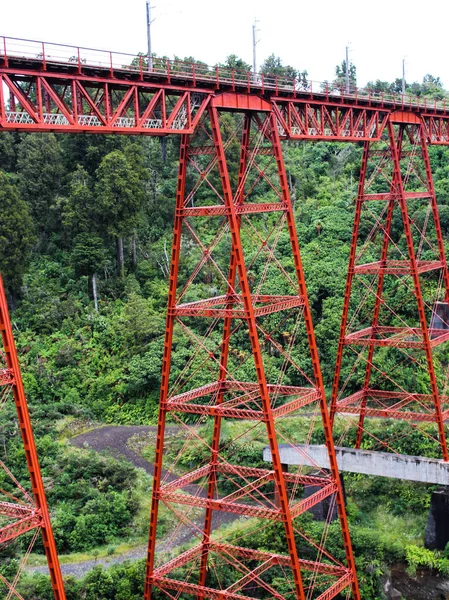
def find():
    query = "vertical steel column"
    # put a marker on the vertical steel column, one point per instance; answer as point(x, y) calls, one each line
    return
point(224, 353)
point(435, 213)
point(418, 293)
point(29, 445)
point(261, 163)
point(357, 403)
point(254, 338)
point(377, 305)
point(314, 354)
point(174, 267)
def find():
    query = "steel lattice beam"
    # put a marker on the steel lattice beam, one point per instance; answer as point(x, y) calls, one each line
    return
point(26, 517)
point(401, 161)
point(49, 87)
point(225, 397)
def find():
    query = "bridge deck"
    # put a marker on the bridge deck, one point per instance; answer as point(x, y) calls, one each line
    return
point(59, 59)
point(68, 89)
point(367, 462)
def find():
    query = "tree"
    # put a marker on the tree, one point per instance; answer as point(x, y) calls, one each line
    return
point(140, 323)
point(340, 72)
point(236, 63)
point(40, 169)
point(379, 86)
point(78, 209)
point(273, 66)
point(188, 63)
point(89, 150)
point(88, 255)
point(431, 87)
point(119, 191)
point(80, 215)
point(8, 151)
point(16, 234)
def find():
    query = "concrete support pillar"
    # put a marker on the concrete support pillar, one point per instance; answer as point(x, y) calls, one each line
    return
point(437, 531)
point(320, 511)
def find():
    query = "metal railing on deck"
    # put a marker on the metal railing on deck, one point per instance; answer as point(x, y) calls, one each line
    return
point(49, 54)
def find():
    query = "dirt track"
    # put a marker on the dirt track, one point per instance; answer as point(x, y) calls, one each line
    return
point(115, 439)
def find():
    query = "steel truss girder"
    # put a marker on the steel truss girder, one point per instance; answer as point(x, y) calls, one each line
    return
point(303, 113)
point(34, 514)
point(437, 129)
point(71, 102)
point(228, 398)
point(78, 104)
point(308, 120)
point(369, 401)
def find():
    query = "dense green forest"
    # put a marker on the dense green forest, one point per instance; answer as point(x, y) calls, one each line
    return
point(85, 226)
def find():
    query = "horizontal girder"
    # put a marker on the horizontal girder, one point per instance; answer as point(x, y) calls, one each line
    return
point(49, 87)
point(240, 407)
point(247, 554)
point(405, 406)
point(398, 337)
point(232, 306)
point(368, 462)
point(161, 576)
point(17, 511)
point(397, 267)
point(14, 530)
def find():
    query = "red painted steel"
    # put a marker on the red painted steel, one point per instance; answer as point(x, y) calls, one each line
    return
point(239, 316)
point(47, 87)
point(27, 512)
point(402, 163)
point(51, 87)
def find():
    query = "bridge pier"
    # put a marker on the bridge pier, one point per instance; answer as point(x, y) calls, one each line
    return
point(326, 510)
point(437, 530)
point(320, 511)
point(380, 464)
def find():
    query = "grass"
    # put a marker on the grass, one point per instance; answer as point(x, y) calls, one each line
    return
point(70, 427)
point(375, 502)
point(398, 529)
point(107, 551)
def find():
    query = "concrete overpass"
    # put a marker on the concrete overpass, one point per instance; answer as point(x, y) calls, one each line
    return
point(367, 462)
point(380, 464)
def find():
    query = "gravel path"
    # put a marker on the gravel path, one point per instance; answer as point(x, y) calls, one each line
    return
point(115, 439)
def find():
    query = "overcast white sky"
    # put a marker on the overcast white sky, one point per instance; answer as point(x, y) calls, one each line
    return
point(308, 35)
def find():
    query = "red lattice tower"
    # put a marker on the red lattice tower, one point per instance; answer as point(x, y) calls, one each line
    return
point(240, 363)
point(391, 363)
point(23, 516)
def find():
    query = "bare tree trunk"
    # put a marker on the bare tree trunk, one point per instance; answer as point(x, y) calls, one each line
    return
point(94, 291)
point(163, 149)
point(134, 250)
point(120, 257)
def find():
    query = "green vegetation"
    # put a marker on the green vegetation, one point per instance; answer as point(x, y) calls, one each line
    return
point(85, 232)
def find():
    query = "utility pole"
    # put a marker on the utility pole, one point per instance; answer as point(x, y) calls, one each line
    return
point(150, 68)
point(347, 69)
point(255, 42)
point(403, 76)
point(149, 22)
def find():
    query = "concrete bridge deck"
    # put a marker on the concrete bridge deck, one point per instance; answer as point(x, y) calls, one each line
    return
point(368, 462)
